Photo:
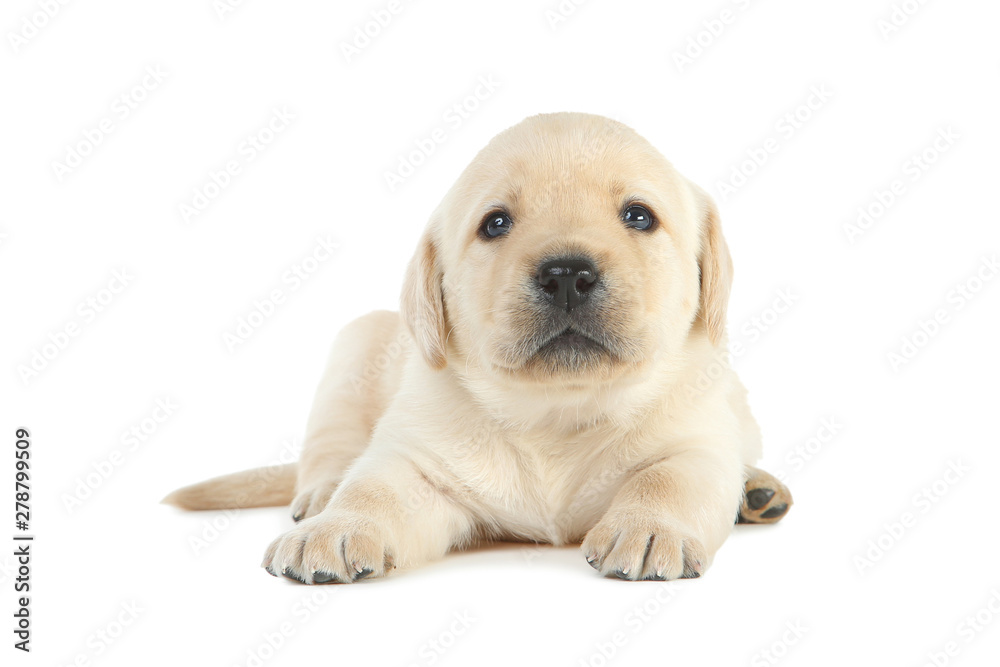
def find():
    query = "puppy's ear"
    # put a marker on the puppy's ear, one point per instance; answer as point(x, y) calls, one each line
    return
point(422, 303)
point(716, 270)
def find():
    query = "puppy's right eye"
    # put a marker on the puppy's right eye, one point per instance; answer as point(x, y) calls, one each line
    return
point(496, 224)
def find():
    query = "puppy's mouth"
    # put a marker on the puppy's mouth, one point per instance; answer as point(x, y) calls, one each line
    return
point(570, 340)
point(549, 344)
point(571, 350)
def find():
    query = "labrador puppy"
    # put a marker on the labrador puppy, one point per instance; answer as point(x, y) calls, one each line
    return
point(558, 373)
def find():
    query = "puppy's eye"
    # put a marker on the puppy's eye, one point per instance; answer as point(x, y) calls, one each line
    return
point(638, 217)
point(496, 224)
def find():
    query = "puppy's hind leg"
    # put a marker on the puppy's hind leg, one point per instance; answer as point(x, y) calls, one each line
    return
point(765, 499)
point(361, 376)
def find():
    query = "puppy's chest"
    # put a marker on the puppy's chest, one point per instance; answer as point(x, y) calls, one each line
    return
point(551, 489)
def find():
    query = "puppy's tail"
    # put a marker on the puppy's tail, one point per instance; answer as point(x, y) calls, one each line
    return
point(261, 487)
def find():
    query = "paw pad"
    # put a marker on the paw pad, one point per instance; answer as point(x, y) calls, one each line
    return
point(766, 499)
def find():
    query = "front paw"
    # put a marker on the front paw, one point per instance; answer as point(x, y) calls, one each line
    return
point(332, 547)
point(637, 545)
point(312, 498)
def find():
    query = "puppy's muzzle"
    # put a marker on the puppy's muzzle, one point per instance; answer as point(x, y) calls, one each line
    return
point(566, 282)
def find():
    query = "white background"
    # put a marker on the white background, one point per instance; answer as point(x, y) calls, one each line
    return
point(858, 585)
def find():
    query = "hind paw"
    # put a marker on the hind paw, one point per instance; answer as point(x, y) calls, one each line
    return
point(766, 500)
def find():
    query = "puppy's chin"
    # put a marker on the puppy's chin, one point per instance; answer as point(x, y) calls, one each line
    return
point(568, 357)
point(569, 353)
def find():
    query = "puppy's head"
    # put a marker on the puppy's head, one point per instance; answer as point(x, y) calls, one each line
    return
point(570, 251)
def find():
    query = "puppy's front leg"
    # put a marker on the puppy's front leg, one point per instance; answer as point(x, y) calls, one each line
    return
point(669, 518)
point(386, 514)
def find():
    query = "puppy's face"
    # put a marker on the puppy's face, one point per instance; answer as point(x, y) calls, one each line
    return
point(568, 251)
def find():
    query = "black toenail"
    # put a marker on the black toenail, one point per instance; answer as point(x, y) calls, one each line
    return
point(270, 571)
point(775, 511)
point(362, 574)
point(757, 498)
point(323, 578)
point(288, 574)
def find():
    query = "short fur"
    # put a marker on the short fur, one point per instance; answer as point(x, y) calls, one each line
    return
point(641, 449)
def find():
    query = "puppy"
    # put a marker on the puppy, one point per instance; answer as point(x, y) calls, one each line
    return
point(558, 373)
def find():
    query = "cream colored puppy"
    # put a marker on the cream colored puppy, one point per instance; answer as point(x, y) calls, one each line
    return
point(558, 373)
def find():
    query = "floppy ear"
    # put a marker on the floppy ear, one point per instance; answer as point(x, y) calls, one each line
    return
point(422, 303)
point(716, 271)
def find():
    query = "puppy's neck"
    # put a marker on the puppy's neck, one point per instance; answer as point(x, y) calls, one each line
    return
point(568, 406)
point(669, 383)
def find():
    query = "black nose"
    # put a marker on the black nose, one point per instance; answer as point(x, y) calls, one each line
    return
point(567, 281)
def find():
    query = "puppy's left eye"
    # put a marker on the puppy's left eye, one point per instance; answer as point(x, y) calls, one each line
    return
point(638, 217)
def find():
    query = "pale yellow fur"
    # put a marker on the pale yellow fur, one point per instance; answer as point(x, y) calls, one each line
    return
point(459, 435)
